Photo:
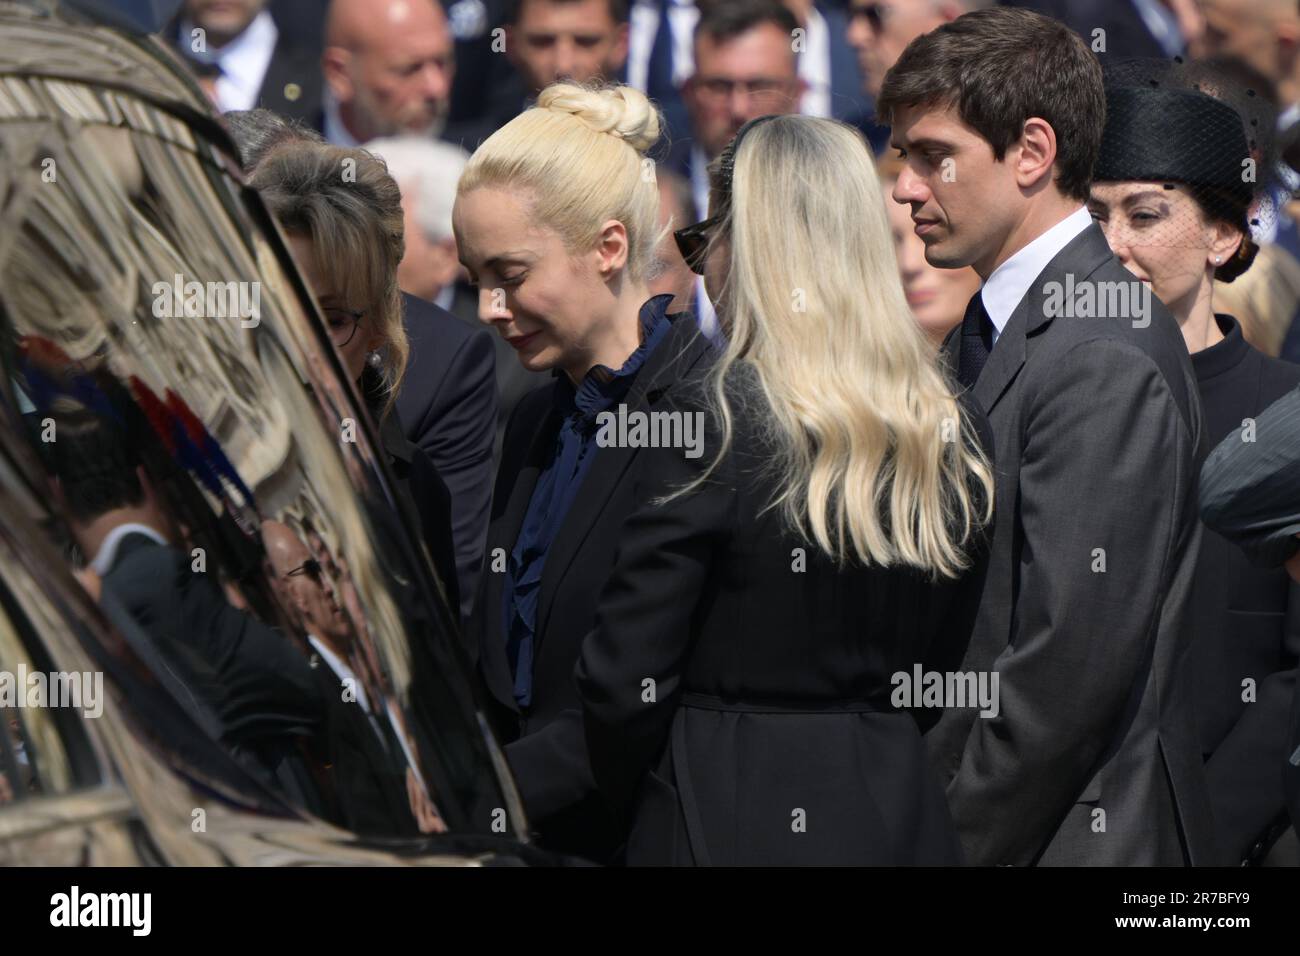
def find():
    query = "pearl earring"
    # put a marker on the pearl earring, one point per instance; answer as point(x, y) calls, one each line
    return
point(375, 359)
point(1218, 260)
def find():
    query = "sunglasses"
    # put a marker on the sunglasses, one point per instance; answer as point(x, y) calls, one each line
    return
point(693, 243)
point(311, 567)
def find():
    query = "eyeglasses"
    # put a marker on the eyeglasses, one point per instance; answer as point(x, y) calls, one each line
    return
point(762, 88)
point(693, 243)
point(874, 13)
point(342, 323)
point(311, 567)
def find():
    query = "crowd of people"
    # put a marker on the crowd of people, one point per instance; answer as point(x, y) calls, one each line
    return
point(961, 297)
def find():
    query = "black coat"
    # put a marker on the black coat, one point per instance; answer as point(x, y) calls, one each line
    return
point(737, 687)
point(1246, 626)
point(448, 407)
point(545, 746)
point(422, 498)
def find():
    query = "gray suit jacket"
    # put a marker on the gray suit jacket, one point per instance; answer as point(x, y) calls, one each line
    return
point(1096, 426)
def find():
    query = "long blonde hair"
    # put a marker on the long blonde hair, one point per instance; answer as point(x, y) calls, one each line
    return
point(875, 456)
point(580, 156)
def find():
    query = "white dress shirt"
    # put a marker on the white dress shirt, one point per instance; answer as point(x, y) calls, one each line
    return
point(107, 552)
point(341, 670)
point(643, 24)
point(1011, 280)
point(815, 66)
point(704, 312)
point(243, 61)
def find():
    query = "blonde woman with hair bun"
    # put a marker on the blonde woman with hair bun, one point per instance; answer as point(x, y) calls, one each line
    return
point(752, 691)
point(556, 221)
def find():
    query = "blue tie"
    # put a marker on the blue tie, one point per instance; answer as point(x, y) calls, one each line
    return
point(659, 76)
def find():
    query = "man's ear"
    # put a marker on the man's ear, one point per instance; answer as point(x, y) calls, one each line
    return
point(334, 63)
point(1036, 153)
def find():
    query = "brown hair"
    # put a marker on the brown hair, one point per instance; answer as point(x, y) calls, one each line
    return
point(1000, 67)
point(351, 209)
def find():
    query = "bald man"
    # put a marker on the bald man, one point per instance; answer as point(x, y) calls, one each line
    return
point(312, 601)
point(388, 68)
point(376, 789)
point(1265, 34)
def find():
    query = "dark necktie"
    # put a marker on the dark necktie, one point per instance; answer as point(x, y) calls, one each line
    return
point(659, 74)
point(976, 342)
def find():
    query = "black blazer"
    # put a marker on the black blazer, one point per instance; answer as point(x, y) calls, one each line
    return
point(250, 678)
point(737, 686)
point(1246, 625)
point(448, 407)
point(293, 83)
point(545, 745)
point(1250, 494)
point(366, 766)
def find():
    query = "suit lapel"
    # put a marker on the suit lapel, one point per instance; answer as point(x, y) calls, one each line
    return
point(1081, 256)
point(676, 355)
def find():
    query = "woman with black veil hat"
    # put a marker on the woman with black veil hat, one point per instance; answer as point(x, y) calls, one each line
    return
point(1176, 190)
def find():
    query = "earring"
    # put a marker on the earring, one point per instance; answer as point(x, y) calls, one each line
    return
point(374, 360)
point(1218, 260)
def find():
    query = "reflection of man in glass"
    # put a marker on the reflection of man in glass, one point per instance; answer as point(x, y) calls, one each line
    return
point(255, 688)
point(373, 771)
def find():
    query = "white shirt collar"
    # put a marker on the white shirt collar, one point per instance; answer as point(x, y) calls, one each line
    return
point(107, 554)
point(341, 669)
point(1011, 280)
point(243, 61)
point(815, 66)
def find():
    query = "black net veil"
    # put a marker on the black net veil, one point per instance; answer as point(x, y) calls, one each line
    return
point(1188, 146)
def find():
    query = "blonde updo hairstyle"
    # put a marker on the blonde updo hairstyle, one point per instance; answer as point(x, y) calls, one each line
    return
point(579, 158)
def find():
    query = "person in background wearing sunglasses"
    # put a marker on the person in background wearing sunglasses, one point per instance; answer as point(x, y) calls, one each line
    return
point(557, 223)
point(346, 235)
point(740, 689)
point(880, 30)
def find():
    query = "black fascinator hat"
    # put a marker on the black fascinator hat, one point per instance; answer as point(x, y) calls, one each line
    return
point(1167, 121)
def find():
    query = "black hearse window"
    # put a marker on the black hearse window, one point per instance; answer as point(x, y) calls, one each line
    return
point(214, 477)
point(33, 759)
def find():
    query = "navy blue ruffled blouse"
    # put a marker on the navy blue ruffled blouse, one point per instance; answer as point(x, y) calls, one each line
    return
point(558, 485)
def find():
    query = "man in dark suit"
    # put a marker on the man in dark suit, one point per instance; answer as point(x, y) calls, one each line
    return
point(259, 54)
point(388, 68)
point(1093, 757)
point(448, 407)
point(238, 677)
